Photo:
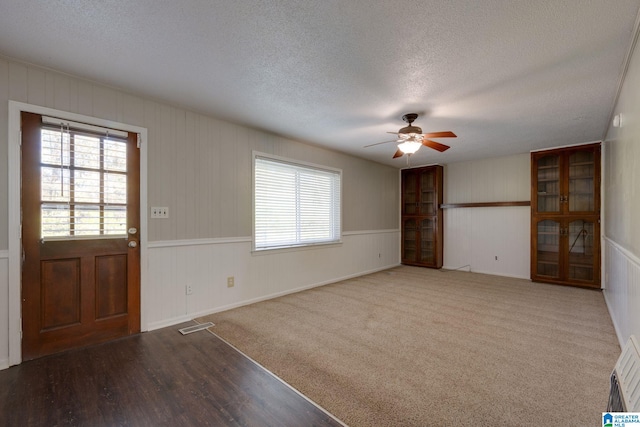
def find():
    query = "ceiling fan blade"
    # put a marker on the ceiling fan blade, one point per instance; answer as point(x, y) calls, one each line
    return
point(435, 145)
point(399, 153)
point(378, 143)
point(446, 134)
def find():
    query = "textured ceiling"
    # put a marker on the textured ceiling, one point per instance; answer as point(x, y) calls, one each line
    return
point(507, 76)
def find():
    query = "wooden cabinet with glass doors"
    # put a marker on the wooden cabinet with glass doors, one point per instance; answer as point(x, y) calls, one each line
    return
point(565, 216)
point(422, 216)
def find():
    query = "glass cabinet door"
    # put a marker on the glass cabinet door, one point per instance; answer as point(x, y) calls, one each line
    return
point(409, 239)
point(548, 185)
point(427, 241)
point(581, 250)
point(581, 181)
point(409, 194)
point(548, 249)
point(428, 193)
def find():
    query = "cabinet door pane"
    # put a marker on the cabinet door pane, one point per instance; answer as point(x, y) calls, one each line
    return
point(427, 241)
point(548, 183)
point(427, 193)
point(409, 240)
point(548, 250)
point(581, 181)
point(409, 195)
point(581, 255)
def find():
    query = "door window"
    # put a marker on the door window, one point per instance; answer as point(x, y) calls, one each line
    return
point(84, 183)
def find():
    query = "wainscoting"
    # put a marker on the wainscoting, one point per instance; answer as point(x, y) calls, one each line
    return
point(204, 266)
point(490, 240)
point(622, 289)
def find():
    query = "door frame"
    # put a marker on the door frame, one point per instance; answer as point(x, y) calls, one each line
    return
point(14, 211)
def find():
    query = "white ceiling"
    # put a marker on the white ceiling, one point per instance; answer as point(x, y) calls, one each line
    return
point(507, 76)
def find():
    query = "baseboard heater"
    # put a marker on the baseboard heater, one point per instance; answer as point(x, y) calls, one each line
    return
point(624, 395)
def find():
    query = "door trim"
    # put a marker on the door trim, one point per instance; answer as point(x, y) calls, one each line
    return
point(14, 177)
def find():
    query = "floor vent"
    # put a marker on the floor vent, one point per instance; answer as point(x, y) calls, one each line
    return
point(624, 395)
point(195, 328)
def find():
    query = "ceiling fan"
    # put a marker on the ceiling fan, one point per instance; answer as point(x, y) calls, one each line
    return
point(411, 138)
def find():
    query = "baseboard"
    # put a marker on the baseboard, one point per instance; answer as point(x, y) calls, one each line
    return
point(621, 340)
point(491, 273)
point(4, 364)
point(176, 320)
point(169, 322)
point(466, 268)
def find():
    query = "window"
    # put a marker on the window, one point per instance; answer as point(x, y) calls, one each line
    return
point(294, 204)
point(83, 179)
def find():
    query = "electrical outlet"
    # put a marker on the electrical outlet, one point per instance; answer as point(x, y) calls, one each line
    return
point(188, 290)
point(230, 282)
point(159, 212)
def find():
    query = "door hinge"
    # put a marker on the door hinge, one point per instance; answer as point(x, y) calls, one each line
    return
point(20, 137)
point(138, 143)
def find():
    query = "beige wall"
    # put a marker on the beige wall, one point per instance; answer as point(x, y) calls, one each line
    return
point(199, 167)
point(622, 166)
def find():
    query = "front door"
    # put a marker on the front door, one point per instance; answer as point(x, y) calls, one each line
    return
point(80, 221)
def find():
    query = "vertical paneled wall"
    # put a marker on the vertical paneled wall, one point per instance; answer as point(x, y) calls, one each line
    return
point(474, 237)
point(621, 196)
point(201, 169)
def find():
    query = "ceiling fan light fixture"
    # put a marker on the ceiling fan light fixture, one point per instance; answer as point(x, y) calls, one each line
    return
point(410, 146)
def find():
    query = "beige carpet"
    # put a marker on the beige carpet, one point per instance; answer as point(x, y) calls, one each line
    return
point(420, 347)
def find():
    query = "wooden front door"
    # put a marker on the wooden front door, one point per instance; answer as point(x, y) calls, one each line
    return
point(80, 222)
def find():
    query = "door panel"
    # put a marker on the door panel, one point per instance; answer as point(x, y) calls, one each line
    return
point(60, 289)
point(547, 255)
point(427, 241)
point(80, 277)
point(409, 193)
point(582, 256)
point(428, 202)
point(547, 175)
point(582, 184)
point(410, 238)
point(111, 289)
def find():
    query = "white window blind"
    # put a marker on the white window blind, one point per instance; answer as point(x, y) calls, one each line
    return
point(295, 204)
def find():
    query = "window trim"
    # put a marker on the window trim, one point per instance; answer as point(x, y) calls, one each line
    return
point(298, 163)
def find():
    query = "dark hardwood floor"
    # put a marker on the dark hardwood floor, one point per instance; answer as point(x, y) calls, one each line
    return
point(158, 378)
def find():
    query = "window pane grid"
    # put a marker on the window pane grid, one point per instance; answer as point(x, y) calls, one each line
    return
point(295, 204)
point(83, 184)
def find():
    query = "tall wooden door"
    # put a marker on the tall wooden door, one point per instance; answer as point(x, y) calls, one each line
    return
point(80, 221)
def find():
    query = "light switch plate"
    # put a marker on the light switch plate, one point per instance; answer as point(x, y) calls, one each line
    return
point(160, 212)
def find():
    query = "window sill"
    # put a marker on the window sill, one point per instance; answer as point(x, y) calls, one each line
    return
point(286, 249)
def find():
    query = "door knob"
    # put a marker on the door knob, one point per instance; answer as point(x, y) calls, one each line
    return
point(133, 244)
point(132, 230)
